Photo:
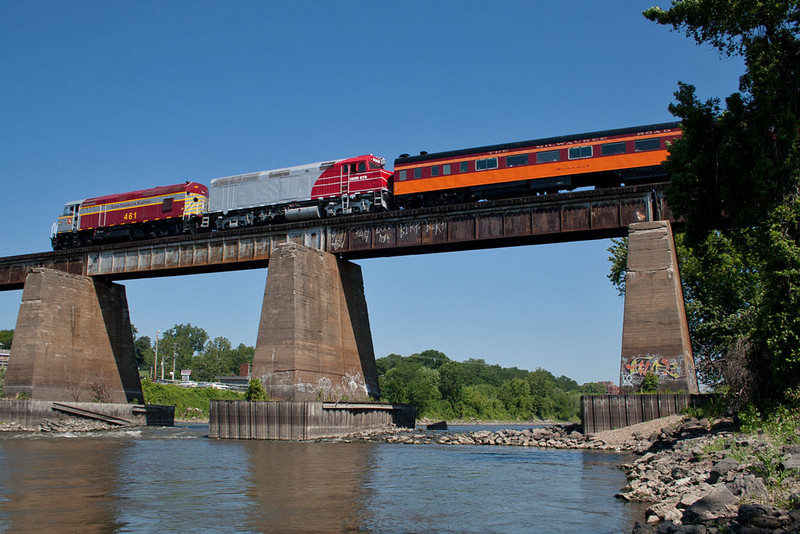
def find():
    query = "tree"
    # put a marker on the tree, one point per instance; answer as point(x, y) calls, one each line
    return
point(143, 348)
point(541, 384)
point(387, 362)
point(183, 341)
point(451, 382)
point(650, 383)
point(516, 397)
point(430, 358)
point(736, 173)
point(255, 390)
point(6, 337)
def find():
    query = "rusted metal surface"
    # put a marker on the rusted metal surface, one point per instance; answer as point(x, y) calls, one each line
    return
point(14, 269)
point(302, 420)
point(608, 412)
point(543, 219)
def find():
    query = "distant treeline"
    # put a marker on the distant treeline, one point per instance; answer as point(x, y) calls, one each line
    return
point(442, 388)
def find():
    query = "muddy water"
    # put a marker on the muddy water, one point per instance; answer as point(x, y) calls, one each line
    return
point(177, 480)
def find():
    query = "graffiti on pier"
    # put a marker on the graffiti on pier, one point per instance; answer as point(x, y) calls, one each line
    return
point(634, 371)
point(353, 387)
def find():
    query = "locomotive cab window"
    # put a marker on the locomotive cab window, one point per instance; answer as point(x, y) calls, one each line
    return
point(548, 157)
point(580, 152)
point(484, 164)
point(643, 145)
point(362, 167)
point(166, 206)
point(609, 149)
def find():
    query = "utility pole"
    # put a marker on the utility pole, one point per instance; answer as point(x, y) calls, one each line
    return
point(155, 361)
point(174, 354)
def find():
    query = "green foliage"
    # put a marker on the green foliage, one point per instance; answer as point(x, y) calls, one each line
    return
point(188, 402)
point(780, 421)
point(6, 336)
point(411, 382)
point(190, 348)
point(735, 181)
point(446, 389)
point(619, 264)
point(2, 380)
point(650, 383)
point(255, 391)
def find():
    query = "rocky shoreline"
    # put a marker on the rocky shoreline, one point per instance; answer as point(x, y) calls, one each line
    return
point(699, 476)
point(59, 426)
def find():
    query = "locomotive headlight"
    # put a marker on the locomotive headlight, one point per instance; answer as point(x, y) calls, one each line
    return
point(195, 199)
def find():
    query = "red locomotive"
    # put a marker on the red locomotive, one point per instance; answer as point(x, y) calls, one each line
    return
point(159, 211)
point(362, 184)
point(326, 189)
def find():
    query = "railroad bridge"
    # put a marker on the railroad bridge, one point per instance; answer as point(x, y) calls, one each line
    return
point(73, 342)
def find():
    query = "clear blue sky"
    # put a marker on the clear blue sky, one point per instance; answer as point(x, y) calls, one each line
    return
point(99, 97)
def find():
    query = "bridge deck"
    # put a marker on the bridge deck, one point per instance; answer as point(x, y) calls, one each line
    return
point(564, 217)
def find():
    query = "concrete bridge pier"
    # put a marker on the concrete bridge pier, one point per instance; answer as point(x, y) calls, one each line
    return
point(73, 341)
point(314, 340)
point(655, 334)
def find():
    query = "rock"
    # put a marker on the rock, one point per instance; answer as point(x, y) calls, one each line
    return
point(719, 503)
point(641, 528)
point(664, 511)
point(669, 527)
point(722, 468)
point(691, 497)
point(747, 485)
point(792, 461)
point(679, 472)
point(762, 516)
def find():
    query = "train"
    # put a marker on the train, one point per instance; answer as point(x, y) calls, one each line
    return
point(362, 184)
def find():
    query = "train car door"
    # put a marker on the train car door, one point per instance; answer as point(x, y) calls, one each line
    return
point(344, 187)
point(73, 212)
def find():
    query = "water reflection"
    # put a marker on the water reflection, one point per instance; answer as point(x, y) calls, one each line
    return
point(308, 486)
point(55, 485)
point(177, 480)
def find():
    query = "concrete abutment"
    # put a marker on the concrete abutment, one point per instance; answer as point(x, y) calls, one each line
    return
point(73, 341)
point(314, 339)
point(655, 333)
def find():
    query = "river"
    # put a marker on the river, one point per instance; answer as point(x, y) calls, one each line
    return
point(177, 480)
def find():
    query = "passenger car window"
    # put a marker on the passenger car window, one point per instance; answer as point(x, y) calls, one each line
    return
point(484, 164)
point(514, 161)
point(579, 152)
point(609, 149)
point(642, 145)
point(547, 157)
